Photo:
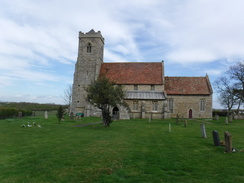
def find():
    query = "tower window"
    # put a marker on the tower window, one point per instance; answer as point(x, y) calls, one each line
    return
point(89, 47)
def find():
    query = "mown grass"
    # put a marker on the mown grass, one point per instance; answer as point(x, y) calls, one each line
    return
point(128, 151)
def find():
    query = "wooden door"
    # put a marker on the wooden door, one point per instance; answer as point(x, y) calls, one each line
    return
point(190, 114)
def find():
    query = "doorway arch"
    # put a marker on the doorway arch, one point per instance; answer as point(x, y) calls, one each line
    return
point(115, 113)
point(190, 114)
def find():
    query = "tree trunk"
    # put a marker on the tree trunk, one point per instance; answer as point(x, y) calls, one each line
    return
point(106, 116)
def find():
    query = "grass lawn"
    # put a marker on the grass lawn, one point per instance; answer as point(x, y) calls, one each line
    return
point(128, 151)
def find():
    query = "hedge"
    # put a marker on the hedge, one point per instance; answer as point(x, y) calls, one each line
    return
point(12, 112)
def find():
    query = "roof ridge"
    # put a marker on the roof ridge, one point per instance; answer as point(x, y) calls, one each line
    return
point(130, 62)
point(185, 76)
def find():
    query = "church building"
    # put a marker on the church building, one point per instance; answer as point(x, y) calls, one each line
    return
point(149, 93)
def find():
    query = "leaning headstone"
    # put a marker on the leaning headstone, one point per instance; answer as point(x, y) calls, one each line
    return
point(20, 114)
point(203, 130)
point(46, 115)
point(216, 138)
point(228, 142)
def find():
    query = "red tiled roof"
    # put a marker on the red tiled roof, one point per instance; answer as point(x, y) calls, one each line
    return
point(187, 86)
point(133, 72)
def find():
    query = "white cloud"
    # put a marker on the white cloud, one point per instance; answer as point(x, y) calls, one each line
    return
point(39, 39)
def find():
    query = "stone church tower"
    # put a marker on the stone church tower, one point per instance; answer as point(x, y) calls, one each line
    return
point(87, 68)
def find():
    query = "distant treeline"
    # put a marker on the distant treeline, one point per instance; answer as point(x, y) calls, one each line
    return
point(29, 106)
point(12, 109)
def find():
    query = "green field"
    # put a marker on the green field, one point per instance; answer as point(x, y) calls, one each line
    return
point(128, 151)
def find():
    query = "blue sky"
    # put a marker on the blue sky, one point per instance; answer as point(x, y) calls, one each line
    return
point(39, 40)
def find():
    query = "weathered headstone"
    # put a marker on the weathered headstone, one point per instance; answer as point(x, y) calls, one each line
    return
point(185, 123)
point(20, 114)
point(33, 113)
point(46, 115)
point(216, 138)
point(226, 120)
point(177, 119)
point(216, 117)
point(203, 130)
point(228, 142)
point(169, 127)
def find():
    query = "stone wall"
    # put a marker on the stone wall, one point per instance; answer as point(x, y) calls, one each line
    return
point(182, 105)
point(147, 109)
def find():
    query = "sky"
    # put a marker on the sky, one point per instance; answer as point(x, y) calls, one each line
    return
point(39, 40)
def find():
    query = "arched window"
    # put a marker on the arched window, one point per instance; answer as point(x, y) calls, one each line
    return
point(89, 47)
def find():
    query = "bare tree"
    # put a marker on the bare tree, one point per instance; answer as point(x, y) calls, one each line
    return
point(226, 93)
point(68, 96)
point(230, 87)
point(236, 72)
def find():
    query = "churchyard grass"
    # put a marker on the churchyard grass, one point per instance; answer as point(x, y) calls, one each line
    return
point(127, 151)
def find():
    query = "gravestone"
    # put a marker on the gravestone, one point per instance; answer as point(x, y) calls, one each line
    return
point(177, 119)
point(203, 130)
point(20, 114)
point(185, 123)
point(216, 138)
point(216, 117)
point(228, 142)
point(169, 127)
point(46, 115)
point(33, 113)
point(226, 120)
